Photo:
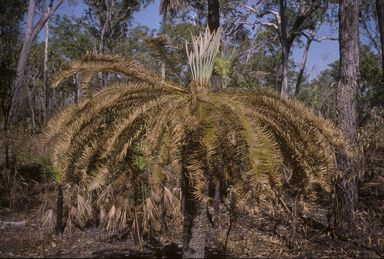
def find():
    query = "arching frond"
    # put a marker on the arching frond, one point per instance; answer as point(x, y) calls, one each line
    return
point(113, 64)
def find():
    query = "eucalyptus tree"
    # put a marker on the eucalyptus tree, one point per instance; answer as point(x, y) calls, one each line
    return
point(346, 100)
point(191, 128)
point(319, 93)
point(107, 23)
point(70, 41)
point(34, 73)
point(68, 38)
point(298, 17)
point(31, 31)
point(169, 7)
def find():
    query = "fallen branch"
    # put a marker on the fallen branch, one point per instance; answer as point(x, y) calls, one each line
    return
point(16, 224)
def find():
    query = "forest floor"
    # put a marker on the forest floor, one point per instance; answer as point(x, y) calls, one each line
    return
point(264, 235)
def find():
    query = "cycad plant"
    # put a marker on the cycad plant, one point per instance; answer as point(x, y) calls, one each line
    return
point(192, 129)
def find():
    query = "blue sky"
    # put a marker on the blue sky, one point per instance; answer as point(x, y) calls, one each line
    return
point(319, 54)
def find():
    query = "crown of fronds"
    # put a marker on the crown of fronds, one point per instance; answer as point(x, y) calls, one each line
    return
point(202, 58)
point(249, 132)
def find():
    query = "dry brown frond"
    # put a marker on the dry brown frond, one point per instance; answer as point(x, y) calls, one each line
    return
point(109, 220)
point(151, 216)
point(49, 221)
point(84, 210)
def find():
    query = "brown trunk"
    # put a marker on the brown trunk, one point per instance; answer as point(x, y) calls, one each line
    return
point(59, 210)
point(6, 144)
point(233, 214)
point(296, 29)
point(195, 211)
point(95, 210)
point(213, 15)
point(195, 222)
point(138, 202)
point(182, 202)
point(346, 101)
point(303, 62)
point(283, 77)
point(216, 206)
point(32, 104)
point(380, 16)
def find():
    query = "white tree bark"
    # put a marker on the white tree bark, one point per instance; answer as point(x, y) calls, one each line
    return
point(45, 112)
point(31, 31)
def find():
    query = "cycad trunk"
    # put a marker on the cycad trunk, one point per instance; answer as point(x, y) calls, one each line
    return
point(59, 210)
point(95, 209)
point(346, 101)
point(138, 201)
point(195, 211)
point(216, 206)
point(195, 223)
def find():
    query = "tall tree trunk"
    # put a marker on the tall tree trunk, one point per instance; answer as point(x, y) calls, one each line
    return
point(45, 112)
point(6, 144)
point(304, 61)
point(283, 87)
point(32, 105)
point(346, 102)
point(380, 16)
point(294, 31)
point(164, 31)
point(213, 15)
point(302, 67)
point(30, 34)
point(182, 198)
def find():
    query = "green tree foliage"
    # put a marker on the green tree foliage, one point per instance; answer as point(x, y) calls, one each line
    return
point(319, 93)
point(299, 16)
point(68, 38)
point(12, 14)
point(107, 22)
point(372, 85)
